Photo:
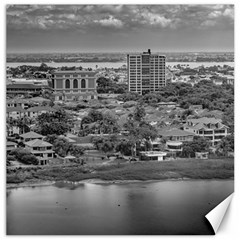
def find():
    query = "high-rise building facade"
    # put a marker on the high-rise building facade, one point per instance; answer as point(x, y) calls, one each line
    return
point(146, 72)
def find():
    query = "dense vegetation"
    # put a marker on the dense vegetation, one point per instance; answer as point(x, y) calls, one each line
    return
point(105, 85)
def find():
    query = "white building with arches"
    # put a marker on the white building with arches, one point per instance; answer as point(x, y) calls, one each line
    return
point(74, 85)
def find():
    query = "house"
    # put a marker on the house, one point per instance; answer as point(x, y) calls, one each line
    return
point(15, 112)
point(152, 155)
point(174, 146)
point(23, 103)
point(210, 128)
point(34, 112)
point(175, 138)
point(29, 136)
point(201, 155)
point(11, 130)
point(24, 88)
point(176, 135)
point(40, 149)
point(10, 146)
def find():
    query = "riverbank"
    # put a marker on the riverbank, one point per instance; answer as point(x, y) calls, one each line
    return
point(124, 172)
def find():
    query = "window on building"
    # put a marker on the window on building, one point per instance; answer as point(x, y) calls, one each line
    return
point(75, 83)
point(83, 83)
point(67, 83)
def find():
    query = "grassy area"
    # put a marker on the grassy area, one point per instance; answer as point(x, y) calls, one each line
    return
point(184, 168)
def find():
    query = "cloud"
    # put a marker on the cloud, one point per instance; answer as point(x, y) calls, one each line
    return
point(208, 23)
point(215, 14)
point(110, 22)
point(155, 19)
point(229, 12)
point(124, 17)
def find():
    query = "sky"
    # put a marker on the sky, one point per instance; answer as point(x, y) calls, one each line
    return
point(119, 28)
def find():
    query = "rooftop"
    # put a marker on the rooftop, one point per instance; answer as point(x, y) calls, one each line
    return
point(174, 132)
point(38, 143)
point(41, 108)
point(9, 143)
point(15, 109)
point(204, 120)
point(24, 86)
point(31, 135)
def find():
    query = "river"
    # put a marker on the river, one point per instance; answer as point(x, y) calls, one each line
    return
point(164, 207)
point(114, 64)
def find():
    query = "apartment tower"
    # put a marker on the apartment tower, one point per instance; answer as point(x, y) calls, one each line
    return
point(146, 72)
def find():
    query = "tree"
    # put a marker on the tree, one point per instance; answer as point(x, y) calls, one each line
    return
point(24, 156)
point(226, 145)
point(61, 147)
point(140, 132)
point(199, 144)
point(228, 118)
point(129, 96)
point(105, 144)
point(139, 113)
point(76, 151)
point(125, 147)
point(53, 123)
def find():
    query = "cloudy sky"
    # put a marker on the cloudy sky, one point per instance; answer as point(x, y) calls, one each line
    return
point(112, 28)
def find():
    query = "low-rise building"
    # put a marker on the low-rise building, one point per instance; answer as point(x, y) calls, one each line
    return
point(21, 89)
point(34, 112)
point(175, 138)
point(11, 130)
point(174, 146)
point(23, 103)
point(152, 155)
point(176, 135)
point(210, 128)
point(74, 85)
point(40, 149)
point(15, 112)
point(11, 146)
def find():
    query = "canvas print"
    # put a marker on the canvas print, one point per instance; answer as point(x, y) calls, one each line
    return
point(119, 118)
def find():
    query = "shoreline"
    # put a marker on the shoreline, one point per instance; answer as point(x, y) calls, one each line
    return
point(99, 181)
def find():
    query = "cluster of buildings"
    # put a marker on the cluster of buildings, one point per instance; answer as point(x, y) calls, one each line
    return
point(146, 72)
point(217, 74)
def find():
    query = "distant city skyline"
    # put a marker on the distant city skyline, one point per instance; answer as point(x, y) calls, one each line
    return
point(119, 28)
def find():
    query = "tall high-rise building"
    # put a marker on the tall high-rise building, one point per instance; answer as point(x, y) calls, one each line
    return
point(146, 72)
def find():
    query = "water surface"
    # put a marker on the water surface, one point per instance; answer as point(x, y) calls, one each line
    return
point(167, 207)
point(113, 64)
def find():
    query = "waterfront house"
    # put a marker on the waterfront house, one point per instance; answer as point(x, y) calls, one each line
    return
point(40, 149)
point(29, 136)
point(210, 128)
point(152, 155)
point(174, 138)
point(175, 134)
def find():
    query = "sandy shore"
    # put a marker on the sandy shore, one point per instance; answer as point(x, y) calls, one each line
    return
point(40, 183)
point(30, 184)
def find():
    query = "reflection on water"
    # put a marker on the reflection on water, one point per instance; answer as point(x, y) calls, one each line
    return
point(168, 207)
